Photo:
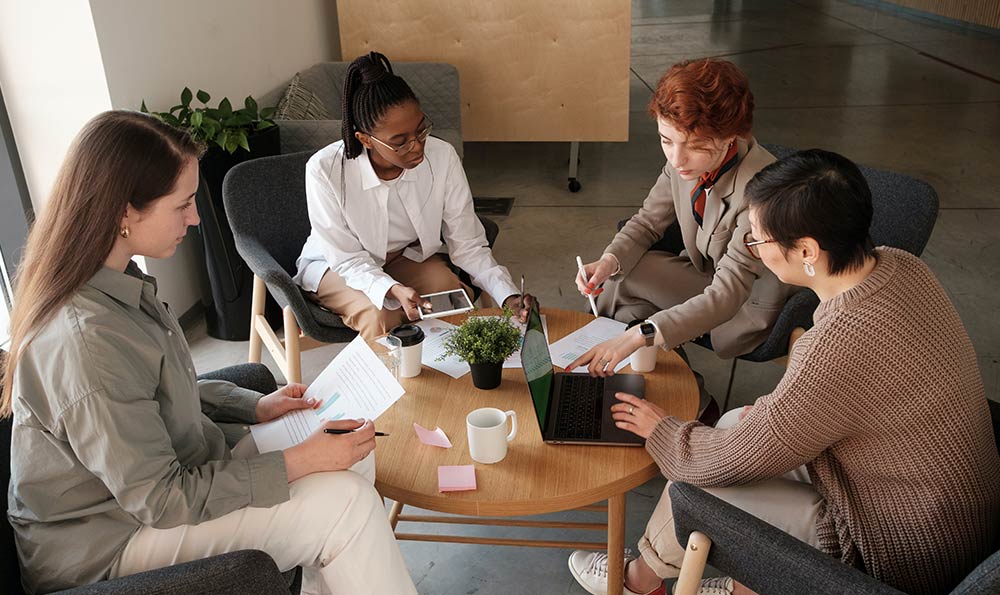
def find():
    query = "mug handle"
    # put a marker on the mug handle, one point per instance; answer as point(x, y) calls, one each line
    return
point(513, 424)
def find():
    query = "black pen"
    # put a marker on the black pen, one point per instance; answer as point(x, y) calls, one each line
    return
point(335, 431)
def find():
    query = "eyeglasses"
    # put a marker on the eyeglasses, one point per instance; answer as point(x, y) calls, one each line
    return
point(751, 244)
point(408, 146)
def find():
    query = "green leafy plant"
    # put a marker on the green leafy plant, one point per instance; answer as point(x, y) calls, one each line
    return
point(483, 339)
point(223, 126)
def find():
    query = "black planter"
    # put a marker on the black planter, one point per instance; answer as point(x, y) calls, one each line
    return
point(486, 376)
point(228, 316)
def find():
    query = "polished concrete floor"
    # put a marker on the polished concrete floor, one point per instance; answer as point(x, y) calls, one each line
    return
point(884, 89)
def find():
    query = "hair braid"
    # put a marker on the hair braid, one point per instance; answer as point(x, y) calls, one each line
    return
point(370, 89)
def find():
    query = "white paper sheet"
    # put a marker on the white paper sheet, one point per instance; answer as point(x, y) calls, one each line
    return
point(566, 350)
point(355, 385)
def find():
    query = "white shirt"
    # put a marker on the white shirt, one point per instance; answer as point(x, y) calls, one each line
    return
point(350, 217)
point(402, 233)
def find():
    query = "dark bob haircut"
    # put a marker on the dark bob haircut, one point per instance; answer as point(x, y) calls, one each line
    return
point(820, 195)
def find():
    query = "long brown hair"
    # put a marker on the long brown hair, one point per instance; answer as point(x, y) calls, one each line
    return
point(119, 158)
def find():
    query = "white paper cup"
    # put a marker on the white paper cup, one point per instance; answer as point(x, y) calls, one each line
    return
point(643, 359)
point(412, 338)
point(488, 435)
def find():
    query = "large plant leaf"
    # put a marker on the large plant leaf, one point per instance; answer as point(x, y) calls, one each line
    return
point(186, 97)
point(243, 140)
point(196, 119)
point(225, 108)
point(251, 106)
point(203, 96)
point(142, 107)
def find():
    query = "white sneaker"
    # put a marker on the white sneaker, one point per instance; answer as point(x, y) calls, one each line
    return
point(719, 585)
point(590, 569)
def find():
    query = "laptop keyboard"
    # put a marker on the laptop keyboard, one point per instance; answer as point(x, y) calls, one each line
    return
point(579, 416)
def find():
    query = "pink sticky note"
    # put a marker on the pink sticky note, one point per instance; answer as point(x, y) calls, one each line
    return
point(435, 438)
point(456, 478)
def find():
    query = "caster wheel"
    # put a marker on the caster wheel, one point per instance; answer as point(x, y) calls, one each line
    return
point(574, 185)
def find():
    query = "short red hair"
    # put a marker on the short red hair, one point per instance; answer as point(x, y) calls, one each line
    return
point(707, 98)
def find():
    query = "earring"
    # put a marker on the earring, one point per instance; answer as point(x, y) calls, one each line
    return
point(123, 231)
point(809, 269)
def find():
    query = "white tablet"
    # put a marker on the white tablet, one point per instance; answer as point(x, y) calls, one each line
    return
point(445, 303)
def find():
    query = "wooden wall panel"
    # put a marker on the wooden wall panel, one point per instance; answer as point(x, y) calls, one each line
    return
point(549, 70)
point(977, 12)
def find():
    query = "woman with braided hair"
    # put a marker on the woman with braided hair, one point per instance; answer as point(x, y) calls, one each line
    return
point(385, 201)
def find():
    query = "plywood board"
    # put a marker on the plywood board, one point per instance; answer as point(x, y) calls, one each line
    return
point(530, 70)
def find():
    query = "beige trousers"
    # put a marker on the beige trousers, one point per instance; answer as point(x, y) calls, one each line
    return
point(659, 281)
point(334, 525)
point(360, 314)
point(789, 502)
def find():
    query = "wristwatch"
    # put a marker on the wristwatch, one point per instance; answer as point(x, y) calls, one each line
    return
point(648, 333)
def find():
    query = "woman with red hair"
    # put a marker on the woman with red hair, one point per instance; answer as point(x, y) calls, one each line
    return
point(704, 114)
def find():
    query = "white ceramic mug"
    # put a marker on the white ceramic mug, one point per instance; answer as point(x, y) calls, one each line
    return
point(488, 435)
point(643, 359)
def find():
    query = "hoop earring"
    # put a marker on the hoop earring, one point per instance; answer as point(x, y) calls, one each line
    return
point(124, 231)
point(810, 270)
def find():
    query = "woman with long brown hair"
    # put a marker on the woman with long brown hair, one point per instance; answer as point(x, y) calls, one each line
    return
point(117, 464)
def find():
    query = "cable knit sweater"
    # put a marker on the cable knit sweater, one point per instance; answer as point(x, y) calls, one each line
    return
point(884, 403)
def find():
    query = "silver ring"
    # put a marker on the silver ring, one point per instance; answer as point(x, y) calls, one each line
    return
point(631, 410)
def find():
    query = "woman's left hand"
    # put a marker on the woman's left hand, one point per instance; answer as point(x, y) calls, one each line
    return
point(602, 359)
point(285, 399)
point(636, 415)
point(519, 308)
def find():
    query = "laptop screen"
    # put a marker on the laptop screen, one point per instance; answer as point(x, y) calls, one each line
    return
point(537, 365)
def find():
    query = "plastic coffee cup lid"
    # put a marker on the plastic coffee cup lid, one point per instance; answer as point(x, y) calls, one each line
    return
point(408, 334)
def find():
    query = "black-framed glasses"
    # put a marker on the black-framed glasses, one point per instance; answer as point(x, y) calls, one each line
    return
point(403, 149)
point(751, 244)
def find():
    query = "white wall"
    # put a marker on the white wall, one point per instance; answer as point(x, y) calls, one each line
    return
point(53, 81)
point(64, 61)
point(231, 48)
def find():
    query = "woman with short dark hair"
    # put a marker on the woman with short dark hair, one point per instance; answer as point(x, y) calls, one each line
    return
point(877, 445)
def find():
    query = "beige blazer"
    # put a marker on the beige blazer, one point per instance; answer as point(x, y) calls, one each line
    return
point(744, 298)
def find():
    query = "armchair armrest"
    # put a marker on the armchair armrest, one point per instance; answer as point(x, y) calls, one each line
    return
point(235, 573)
point(762, 557)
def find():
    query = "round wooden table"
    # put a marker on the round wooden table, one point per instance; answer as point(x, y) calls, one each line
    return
point(534, 478)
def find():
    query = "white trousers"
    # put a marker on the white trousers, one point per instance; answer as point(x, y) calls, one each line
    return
point(334, 525)
point(789, 502)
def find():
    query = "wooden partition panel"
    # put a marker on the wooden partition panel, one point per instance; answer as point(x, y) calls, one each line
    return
point(549, 70)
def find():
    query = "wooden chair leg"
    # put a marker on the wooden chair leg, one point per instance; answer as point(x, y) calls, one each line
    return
point(256, 308)
point(394, 512)
point(693, 566)
point(293, 357)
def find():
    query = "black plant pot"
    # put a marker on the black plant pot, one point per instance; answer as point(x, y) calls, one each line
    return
point(486, 376)
point(231, 280)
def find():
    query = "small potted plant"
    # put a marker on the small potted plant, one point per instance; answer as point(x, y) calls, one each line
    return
point(485, 342)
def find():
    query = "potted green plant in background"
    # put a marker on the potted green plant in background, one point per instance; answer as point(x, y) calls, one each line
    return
point(485, 342)
point(232, 136)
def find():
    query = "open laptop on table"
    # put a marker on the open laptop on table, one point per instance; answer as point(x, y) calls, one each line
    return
point(573, 408)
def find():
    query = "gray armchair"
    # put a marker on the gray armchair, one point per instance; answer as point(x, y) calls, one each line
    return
point(235, 573)
point(905, 210)
point(768, 560)
point(435, 85)
point(266, 203)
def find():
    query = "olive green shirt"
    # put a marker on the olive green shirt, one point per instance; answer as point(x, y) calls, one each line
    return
point(112, 432)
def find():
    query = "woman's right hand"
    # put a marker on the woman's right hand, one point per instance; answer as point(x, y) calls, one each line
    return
point(330, 452)
point(597, 273)
point(409, 299)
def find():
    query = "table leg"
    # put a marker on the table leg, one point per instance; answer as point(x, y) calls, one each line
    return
point(616, 544)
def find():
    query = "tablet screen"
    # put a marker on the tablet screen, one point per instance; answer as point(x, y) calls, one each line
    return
point(446, 302)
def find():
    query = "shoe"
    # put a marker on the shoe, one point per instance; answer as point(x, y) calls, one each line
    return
point(719, 585)
point(590, 569)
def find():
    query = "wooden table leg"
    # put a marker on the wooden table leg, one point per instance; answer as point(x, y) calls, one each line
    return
point(616, 544)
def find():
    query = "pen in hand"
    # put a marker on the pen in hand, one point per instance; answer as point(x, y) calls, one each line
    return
point(583, 275)
point(336, 431)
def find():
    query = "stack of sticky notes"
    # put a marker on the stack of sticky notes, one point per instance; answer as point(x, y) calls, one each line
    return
point(456, 478)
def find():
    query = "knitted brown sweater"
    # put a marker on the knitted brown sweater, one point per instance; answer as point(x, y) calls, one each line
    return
point(884, 402)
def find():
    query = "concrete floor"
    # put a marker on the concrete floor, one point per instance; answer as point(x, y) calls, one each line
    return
point(886, 90)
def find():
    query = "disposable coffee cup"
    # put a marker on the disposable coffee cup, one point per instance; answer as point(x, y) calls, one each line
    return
point(411, 337)
point(642, 359)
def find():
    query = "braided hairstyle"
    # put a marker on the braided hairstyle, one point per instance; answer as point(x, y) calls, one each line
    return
point(370, 89)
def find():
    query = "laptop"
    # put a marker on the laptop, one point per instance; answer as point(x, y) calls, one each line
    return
point(573, 408)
